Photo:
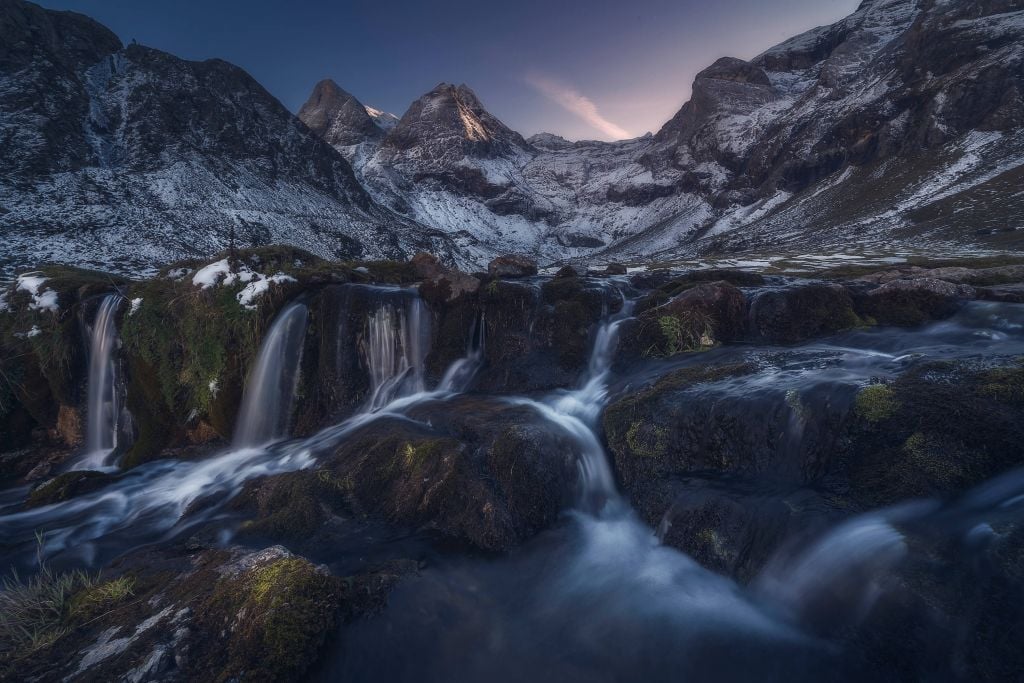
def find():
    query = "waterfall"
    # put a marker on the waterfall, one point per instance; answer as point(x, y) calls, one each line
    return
point(104, 405)
point(270, 390)
point(457, 378)
point(576, 412)
point(396, 345)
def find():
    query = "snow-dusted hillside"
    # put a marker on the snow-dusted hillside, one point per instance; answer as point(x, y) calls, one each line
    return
point(127, 157)
point(900, 124)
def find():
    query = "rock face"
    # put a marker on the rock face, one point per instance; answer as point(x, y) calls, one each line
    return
point(134, 157)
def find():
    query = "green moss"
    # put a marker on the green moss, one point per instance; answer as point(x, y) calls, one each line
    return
point(1004, 384)
point(679, 333)
point(646, 440)
point(280, 616)
point(66, 486)
point(876, 403)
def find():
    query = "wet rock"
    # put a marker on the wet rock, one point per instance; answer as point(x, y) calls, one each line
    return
point(937, 430)
point(735, 527)
point(69, 426)
point(482, 472)
point(695, 419)
point(913, 302)
point(569, 271)
point(512, 266)
point(795, 314)
point(651, 279)
point(615, 269)
point(67, 486)
point(535, 338)
point(447, 286)
point(697, 319)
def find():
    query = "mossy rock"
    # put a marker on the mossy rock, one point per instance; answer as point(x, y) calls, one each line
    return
point(906, 307)
point(289, 508)
point(795, 314)
point(876, 403)
point(280, 614)
point(67, 486)
point(483, 472)
point(644, 434)
point(695, 320)
point(937, 430)
point(738, 278)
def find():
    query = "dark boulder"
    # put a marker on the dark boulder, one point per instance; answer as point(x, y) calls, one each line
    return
point(483, 472)
point(512, 266)
point(798, 313)
point(913, 302)
point(697, 319)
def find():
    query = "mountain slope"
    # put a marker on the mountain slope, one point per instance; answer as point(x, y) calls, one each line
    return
point(894, 127)
point(125, 157)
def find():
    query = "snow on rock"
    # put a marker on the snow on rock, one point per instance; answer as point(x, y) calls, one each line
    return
point(259, 286)
point(42, 299)
point(135, 305)
point(256, 284)
point(210, 275)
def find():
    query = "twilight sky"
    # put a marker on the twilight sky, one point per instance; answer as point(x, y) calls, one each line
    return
point(584, 69)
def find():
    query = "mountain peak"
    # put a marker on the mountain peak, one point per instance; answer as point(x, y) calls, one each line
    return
point(454, 114)
point(338, 117)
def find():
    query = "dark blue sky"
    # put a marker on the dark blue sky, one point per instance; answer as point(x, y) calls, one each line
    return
point(583, 69)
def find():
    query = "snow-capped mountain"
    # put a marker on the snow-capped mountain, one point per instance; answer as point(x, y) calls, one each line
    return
point(897, 126)
point(900, 126)
point(125, 157)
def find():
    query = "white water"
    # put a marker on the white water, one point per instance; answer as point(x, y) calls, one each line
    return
point(396, 347)
point(104, 407)
point(270, 389)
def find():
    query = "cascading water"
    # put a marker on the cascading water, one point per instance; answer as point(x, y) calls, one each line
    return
point(104, 407)
point(458, 377)
point(577, 412)
point(151, 500)
point(270, 390)
point(396, 346)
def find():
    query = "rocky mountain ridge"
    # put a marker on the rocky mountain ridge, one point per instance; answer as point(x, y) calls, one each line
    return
point(124, 157)
point(897, 129)
point(892, 127)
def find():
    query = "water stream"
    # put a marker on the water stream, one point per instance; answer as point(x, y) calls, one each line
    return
point(104, 395)
point(270, 389)
point(598, 597)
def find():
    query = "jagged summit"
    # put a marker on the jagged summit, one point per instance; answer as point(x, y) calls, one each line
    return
point(337, 116)
point(451, 120)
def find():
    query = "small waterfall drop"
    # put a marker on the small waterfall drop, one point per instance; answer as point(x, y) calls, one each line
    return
point(395, 347)
point(459, 375)
point(577, 412)
point(270, 389)
point(104, 407)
